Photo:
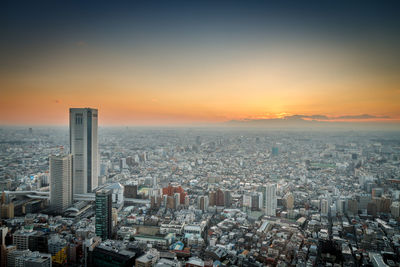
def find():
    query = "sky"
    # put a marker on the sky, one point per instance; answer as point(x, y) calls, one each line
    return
point(181, 62)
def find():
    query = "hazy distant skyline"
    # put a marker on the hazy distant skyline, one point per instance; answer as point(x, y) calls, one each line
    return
point(205, 62)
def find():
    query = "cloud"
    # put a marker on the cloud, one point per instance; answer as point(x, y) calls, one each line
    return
point(361, 117)
point(346, 117)
point(301, 117)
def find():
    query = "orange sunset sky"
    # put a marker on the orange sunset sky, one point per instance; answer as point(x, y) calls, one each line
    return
point(197, 68)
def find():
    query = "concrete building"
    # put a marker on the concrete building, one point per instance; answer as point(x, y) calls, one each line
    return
point(33, 259)
point(149, 259)
point(14, 254)
point(60, 182)
point(270, 200)
point(84, 149)
point(324, 207)
point(395, 209)
point(202, 203)
point(21, 239)
point(289, 201)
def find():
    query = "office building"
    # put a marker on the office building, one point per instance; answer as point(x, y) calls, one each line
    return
point(14, 254)
point(104, 213)
point(21, 239)
point(33, 259)
point(270, 200)
point(38, 241)
point(84, 149)
point(113, 254)
point(60, 182)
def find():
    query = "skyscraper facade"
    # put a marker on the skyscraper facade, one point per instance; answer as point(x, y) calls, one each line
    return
point(60, 182)
point(104, 213)
point(270, 199)
point(84, 148)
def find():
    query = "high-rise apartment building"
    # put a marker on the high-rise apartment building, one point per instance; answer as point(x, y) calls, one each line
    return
point(202, 203)
point(3, 255)
point(104, 213)
point(60, 182)
point(227, 198)
point(220, 198)
point(324, 206)
point(270, 199)
point(84, 149)
point(289, 201)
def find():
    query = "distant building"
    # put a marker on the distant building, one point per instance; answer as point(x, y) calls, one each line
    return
point(324, 207)
point(372, 209)
point(220, 198)
point(211, 198)
point(104, 213)
point(255, 202)
point(270, 199)
point(275, 151)
point(84, 149)
point(227, 198)
point(352, 206)
point(60, 182)
point(130, 191)
point(177, 200)
point(202, 203)
point(289, 201)
point(171, 191)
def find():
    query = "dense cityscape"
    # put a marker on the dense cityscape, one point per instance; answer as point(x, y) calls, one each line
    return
point(200, 196)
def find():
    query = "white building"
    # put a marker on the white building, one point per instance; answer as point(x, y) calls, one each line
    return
point(270, 199)
point(117, 192)
point(60, 182)
point(324, 207)
point(84, 149)
point(395, 209)
point(247, 200)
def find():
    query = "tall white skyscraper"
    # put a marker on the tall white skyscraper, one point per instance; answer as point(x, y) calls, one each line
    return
point(84, 149)
point(60, 182)
point(270, 199)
